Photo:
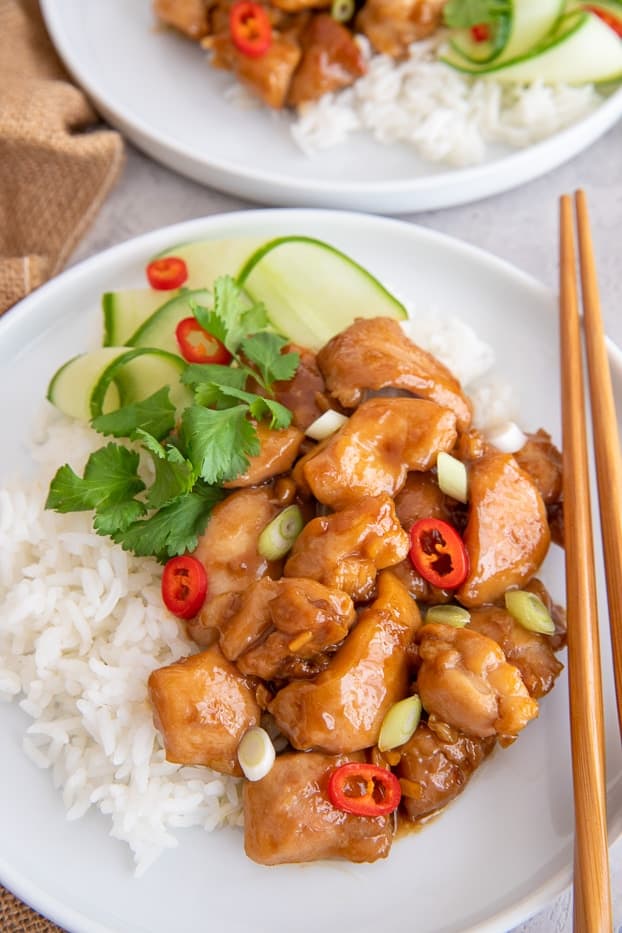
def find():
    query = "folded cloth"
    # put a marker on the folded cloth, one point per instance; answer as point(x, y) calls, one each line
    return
point(15, 917)
point(56, 166)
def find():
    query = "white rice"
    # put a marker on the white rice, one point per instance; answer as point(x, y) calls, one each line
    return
point(445, 116)
point(82, 626)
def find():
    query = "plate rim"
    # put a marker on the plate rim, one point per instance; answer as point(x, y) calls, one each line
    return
point(518, 165)
point(26, 310)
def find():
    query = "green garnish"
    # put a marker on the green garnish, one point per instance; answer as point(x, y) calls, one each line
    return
point(461, 14)
point(215, 436)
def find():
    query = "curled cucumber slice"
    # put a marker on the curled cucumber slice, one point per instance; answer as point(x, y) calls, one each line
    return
point(581, 50)
point(98, 382)
point(522, 29)
point(159, 328)
point(312, 290)
point(207, 259)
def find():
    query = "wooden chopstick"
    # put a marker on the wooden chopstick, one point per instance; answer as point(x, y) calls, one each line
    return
point(592, 895)
point(606, 440)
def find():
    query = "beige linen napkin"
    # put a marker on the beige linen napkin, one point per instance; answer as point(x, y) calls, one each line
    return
point(55, 170)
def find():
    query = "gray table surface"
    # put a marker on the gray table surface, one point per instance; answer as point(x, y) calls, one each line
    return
point(519, 226)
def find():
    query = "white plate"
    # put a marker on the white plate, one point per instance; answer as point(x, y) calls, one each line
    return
point(158, 88)
point(502, 850)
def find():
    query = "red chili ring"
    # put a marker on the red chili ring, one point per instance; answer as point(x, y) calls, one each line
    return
point(167, 273)
point(438, 553)
point(184, 586)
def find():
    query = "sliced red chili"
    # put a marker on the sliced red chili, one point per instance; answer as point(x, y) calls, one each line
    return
point(250, 27)
point(438, 553)
point(197, 346)
point(184, 586)
point(480, 32)
point(167, 273)
point(611, 19)
point(363, 789)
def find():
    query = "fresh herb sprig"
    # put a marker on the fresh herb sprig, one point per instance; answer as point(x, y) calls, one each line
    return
point(193, 455)
point(462, 14)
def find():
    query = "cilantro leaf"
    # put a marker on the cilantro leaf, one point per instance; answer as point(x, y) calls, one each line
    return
point(231, 307)
point(280, 416)
point(219, 443)
point(461, 14)
point(173, 530)
point(264, 350)
point(210, 321)
point(118, 517)
point(207, 377)
point(174, 475)
point(110, 478)
point(155, 414)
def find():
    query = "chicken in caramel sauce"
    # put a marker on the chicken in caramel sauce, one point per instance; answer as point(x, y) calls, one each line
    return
point(507, 534)
point(375, 449)
point(318, 637)
point(375, 353)
point(346, 549)
point(434, 770)
point(465, 680)
point(289, 818)
point(342, 709)
point(203, 706)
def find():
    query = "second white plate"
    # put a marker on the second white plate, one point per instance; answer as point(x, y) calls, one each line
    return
point(159, 89)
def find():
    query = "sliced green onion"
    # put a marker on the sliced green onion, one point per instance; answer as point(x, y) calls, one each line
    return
point(452, 476)
point(530, 611)
point(448, 615)
point(326, 425)
point(400, 723)
point(342, 10)
point(506, 437)
point(256, 753)
point(278, 536)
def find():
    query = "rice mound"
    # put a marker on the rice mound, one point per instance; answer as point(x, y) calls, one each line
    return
point(445, 116)
point(83, 625)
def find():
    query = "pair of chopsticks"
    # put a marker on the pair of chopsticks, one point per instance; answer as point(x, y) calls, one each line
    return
point(592, 896)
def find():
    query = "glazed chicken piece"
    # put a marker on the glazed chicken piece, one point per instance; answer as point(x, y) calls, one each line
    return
point(288, 816)
point(507, 533)
point(373, 452)
point(268, 76)
point(203, 706)
point(295, 6)
point(434, 770)
point(228, 551)
point(304, 394)
point(392, 25)
point(331, 60)
point(279, 449)
point(342, 709)
point(189, 16)
point(465, 680)
point(346, 550)
point(421, 497)
point(530, 652)
point(540, 458)
point(375, 353)
point(283, 628)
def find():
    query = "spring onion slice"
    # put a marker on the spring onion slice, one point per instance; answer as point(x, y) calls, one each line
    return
point(278, 536)
point(342, 10)
point(452, 477)
point(400, 723)
point(506, 437)
point(448, 615)
point(530, 611)
point(256, 753)
point(325, 425)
